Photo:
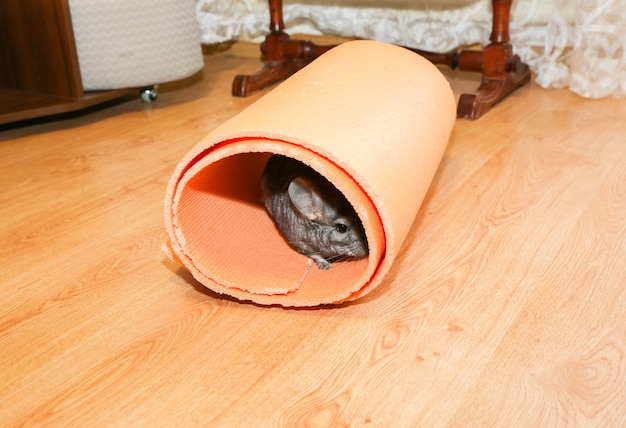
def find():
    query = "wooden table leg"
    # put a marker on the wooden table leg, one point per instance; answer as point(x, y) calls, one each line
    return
point(284, 56)
point(502, 71)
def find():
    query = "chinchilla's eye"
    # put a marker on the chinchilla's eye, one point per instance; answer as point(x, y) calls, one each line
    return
point(341, 228)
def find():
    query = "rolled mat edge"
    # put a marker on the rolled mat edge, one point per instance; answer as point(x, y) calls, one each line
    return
point(373, 118)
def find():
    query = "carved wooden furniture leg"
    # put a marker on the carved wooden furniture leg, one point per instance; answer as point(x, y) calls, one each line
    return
point(502, 72)
point(284, 56)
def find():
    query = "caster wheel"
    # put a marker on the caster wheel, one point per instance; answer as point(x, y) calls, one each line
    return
point(149, 94)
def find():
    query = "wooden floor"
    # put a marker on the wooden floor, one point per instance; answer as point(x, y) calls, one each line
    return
point(506, 307)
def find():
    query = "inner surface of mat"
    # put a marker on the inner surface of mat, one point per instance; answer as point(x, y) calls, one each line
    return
point(232, 240)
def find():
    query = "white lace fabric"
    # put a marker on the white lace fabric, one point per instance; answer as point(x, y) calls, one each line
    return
point(580, 44)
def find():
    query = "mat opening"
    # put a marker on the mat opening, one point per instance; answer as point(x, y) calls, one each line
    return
point(234, 243)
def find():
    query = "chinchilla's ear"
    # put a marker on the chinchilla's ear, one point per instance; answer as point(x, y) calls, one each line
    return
point(306, 198)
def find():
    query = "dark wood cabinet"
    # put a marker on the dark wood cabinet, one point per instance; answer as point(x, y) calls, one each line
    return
point(39, 70)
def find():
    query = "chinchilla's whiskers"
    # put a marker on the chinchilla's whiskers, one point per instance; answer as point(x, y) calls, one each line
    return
point(338, 258)
point(333, 259)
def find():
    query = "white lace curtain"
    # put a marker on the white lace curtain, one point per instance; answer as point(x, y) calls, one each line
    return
point(580, 44)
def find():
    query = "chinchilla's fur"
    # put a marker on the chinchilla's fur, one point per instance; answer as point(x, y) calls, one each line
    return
point(313, 216)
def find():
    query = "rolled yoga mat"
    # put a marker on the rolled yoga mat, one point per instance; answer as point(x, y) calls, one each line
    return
point(373, 118)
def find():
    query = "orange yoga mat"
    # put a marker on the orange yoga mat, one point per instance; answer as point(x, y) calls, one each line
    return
point(373, 118)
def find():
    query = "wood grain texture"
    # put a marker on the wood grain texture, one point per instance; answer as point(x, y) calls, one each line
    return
point(40, 44)
point(506, 306)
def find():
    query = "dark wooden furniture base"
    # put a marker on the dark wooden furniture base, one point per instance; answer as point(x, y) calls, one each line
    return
point(502, 71)
point(39, 70)
point(16, 106)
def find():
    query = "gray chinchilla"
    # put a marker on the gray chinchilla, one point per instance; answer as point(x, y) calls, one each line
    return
point(313, 216)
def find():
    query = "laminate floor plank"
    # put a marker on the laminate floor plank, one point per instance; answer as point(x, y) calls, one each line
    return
point(505, 307)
